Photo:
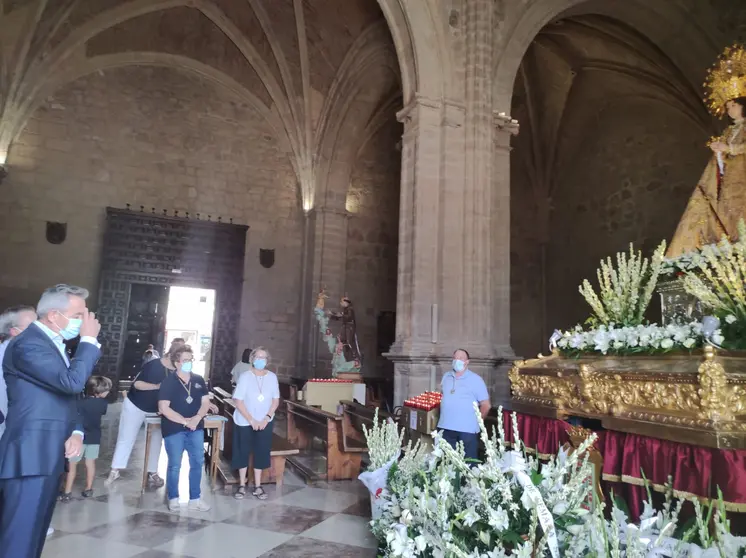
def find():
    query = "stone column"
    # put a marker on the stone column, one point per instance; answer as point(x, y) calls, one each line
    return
point(326, 248)
point(454, 239)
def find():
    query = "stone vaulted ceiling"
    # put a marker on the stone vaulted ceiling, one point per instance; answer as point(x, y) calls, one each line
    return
point(575, 69)
point(305, 65)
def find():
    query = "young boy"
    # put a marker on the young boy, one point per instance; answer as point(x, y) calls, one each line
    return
point(91, 409)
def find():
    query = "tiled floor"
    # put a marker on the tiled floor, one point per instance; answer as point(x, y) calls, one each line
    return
point(322, 521)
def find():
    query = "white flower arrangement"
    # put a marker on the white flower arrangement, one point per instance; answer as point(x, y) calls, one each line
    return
point(441, 506)
point(688, 262)
point(625, 292)
point(384, 442)
point(640, 339)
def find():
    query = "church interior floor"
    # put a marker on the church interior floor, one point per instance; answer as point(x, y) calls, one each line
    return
point(327, 519)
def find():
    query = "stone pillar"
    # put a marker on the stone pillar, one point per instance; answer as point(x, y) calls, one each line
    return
point(454, 239)
point(326, 248)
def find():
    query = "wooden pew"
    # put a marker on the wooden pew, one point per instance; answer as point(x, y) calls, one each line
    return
point(281, 449)
point(354, 417)
point(288, 391)
point(318, 434)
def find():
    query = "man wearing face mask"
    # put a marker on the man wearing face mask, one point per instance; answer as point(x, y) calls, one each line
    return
point(43, 385)
point(12, 322)
point(461, 389)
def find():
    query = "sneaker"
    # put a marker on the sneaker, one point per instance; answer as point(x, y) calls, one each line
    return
point(65, 497)
point(154, 481)
point(174, 505)
point(113, 475)
point(50, 532)
point(199, 505)
point(87, 493)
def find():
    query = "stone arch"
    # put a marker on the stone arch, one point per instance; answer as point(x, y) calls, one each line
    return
point(422, 48)
point(338, 134)
point(184, 63)
point(691, 50)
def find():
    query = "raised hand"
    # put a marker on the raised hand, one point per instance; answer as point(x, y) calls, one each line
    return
point(90, 327)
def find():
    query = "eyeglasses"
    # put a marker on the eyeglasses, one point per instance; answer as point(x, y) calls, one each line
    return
point(187, 360)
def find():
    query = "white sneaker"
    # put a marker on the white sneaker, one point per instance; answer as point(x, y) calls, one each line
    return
point(199, 505)
point(113, 475)
point(174, 505)
point(50, 532)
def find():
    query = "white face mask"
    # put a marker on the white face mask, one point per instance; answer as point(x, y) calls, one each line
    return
point(458, 365)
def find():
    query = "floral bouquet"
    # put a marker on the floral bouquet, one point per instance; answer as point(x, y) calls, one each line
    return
point(384, 447)
point(633, 340)
point(438, 505)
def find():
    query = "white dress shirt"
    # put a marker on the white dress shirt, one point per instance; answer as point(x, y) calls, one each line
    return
point(3, 387)
point(60, 344)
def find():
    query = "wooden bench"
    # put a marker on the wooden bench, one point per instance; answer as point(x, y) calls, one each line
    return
point(318, 434)
point(354, 416)
point(281, 449)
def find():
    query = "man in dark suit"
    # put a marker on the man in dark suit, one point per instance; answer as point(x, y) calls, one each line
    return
point(43, 385)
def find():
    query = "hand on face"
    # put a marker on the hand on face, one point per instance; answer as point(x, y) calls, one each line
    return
point(90, 326)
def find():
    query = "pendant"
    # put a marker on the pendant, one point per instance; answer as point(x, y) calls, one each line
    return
point(453, 391)
point(260, 398)
point(189, 399)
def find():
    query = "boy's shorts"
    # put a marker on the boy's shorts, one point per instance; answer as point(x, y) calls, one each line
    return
point(90, 451)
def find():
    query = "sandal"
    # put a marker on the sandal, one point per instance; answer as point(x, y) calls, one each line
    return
point(240, 493)
point(259, 493)
point(87, 493)
point(65, 497)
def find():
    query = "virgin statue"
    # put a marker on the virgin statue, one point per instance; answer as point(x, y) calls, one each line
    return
point(719, 200)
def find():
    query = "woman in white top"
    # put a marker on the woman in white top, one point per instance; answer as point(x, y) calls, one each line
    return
point(243, 365)
point(256, 397)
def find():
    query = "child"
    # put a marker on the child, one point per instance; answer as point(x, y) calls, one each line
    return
point(91, 409)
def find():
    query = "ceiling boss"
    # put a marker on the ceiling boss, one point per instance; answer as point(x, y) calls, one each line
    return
point(719, 200)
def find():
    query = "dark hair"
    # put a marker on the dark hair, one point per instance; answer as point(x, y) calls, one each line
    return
point(96, 385)
point(175, 355)
point(741, 101)
point(246, 356)
point(178, 340)
point(463, 351)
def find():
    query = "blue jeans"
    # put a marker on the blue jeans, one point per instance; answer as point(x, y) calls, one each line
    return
point(194, 444)
point(470, 441)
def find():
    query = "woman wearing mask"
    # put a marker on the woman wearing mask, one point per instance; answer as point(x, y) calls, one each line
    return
point(256, 397)
point(141, 401)
point(243, 365)
point(183, 402)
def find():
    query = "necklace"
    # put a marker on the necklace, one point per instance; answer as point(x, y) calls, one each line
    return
point(260, 397)
point(188, 389)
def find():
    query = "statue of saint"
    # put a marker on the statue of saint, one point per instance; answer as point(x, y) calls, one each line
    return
point(347, 336)
point(321, 298)
point(719, 200)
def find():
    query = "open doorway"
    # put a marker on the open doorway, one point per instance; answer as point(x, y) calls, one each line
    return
point(190, 315)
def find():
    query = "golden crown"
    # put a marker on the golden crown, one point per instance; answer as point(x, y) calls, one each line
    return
point(726, 80)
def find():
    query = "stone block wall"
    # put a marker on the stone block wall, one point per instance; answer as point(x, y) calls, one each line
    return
point(158, 138)
point(372, 239)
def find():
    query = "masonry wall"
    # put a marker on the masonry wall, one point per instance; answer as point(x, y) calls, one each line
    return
point(158, 138)
point(372, 239)
point(630, 180)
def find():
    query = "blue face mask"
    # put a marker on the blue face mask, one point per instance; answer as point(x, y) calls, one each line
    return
point(72, 330)
point(186, 366)
point(458, 365)
point(260, 363)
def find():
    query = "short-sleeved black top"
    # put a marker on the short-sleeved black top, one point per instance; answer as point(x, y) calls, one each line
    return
point(91, 410)
point(153, 372)
point(177, 392)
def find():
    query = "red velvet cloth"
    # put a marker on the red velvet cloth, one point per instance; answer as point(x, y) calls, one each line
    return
point(694, 470)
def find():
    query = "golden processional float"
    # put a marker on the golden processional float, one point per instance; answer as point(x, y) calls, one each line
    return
point(682, 381)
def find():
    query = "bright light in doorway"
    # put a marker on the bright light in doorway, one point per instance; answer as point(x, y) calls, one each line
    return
point(190, 315)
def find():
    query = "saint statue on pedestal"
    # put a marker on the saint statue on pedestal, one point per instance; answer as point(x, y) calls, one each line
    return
point(347, 336)
point(719, 200)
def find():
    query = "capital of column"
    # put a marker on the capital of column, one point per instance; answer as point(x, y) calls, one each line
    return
point(325, 210)
point(442, 112)
point(505, 123)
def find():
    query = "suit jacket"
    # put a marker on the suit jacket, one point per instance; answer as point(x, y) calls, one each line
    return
point(42, 411)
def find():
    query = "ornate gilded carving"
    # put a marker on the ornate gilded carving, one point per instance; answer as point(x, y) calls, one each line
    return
point(713, 386)
point(698, 394)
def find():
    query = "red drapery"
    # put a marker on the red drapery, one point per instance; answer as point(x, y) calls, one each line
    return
point(694, 470)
